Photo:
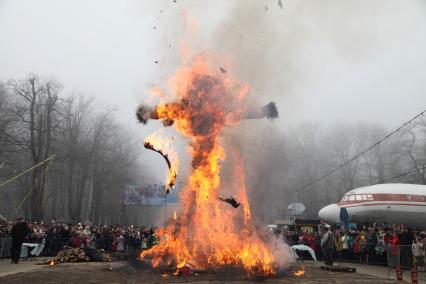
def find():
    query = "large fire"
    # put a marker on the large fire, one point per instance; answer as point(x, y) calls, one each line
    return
point(208, 232)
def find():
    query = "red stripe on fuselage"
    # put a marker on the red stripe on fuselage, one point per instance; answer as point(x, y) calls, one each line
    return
point(372, 204)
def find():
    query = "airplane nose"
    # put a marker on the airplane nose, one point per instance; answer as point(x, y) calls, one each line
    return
point(330, 214)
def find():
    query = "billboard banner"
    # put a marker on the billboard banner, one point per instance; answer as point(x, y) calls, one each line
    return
point(152, 194)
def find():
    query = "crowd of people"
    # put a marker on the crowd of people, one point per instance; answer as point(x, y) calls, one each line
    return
point(55, 236)
point(390, 245)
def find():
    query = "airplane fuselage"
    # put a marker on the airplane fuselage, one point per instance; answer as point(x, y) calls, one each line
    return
point(381, 203)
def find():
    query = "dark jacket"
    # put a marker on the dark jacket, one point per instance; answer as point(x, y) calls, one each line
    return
point(327, 241)
point(19, 232)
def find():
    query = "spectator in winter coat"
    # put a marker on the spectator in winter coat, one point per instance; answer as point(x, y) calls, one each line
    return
point(327, 245)
point(371, 242)
point(393, 250)
point(362, 249)
point(76, 240)
point(338, 245)
point(407, 238)
point(418, 253)
point(19, 231)
point(120, 242)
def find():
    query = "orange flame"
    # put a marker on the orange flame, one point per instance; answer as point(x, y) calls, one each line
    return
point(165, 146)
point(208, 232)
point(51, 263)
point(300, 272)
point(174, 216)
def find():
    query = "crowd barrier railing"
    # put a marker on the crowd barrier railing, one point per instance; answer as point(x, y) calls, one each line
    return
point(53, 246)
point(392, 256)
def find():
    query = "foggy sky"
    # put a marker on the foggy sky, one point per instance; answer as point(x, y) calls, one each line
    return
point(321, 61)
point(355, 60)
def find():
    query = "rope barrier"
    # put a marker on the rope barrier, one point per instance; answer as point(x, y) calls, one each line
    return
point(26, 171)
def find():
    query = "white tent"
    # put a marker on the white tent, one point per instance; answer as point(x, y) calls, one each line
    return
point(305, 248)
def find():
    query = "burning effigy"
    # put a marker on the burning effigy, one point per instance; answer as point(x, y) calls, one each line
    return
point(208, 233)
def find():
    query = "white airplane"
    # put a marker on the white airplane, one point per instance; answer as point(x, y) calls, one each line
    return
point(392, 203)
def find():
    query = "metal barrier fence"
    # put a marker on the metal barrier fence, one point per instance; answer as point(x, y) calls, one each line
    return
point(5, 244)
point(53, 246)
point(391, 256)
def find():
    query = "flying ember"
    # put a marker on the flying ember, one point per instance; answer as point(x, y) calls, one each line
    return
point(208, 232)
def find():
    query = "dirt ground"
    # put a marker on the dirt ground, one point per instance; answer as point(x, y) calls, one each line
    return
point(121, 272)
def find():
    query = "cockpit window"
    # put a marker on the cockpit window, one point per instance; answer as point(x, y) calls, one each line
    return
point(358, 197)
point(351, 197)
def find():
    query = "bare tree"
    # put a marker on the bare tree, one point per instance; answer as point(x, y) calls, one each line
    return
point(415, 150)
point(35, 110)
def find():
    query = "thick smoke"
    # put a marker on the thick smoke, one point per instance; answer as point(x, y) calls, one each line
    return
point(280, 53)
point(270, 54)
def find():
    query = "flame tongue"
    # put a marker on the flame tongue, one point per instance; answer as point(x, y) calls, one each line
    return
point(208, 233)
point(157, 144)
point(300, 272)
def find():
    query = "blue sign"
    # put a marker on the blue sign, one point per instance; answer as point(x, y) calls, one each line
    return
point(152, 194)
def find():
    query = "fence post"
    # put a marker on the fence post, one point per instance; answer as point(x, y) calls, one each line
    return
point(414, 278)
point(398, 273)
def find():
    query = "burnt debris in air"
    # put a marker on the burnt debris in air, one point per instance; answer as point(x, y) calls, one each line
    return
point(234, 203)
point(270, 110)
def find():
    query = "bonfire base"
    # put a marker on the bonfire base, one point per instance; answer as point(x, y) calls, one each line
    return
point(122, 272)
point(78, 255)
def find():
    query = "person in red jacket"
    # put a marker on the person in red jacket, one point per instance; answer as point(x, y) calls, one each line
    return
point(311, 241)
point(356, 244)
point(393, 250)
point(387, 238)
point(76, 241)
point(395, 242)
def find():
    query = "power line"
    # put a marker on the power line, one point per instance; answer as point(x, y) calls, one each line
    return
point(357, 156)
point(404, 174)
point(384, 181)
